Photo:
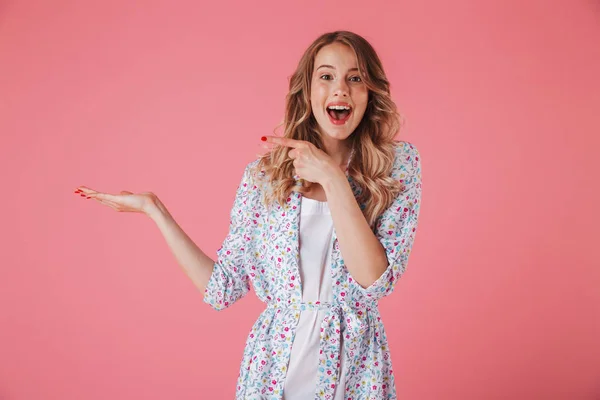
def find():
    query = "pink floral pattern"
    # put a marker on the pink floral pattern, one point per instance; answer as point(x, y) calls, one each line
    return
point(261, 249)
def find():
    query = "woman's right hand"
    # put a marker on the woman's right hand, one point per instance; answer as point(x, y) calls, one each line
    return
point(126, 201)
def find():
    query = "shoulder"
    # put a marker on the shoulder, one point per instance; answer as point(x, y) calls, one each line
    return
point(252, 172)
point(251, 167)
point(252, 179)
point(407, 161)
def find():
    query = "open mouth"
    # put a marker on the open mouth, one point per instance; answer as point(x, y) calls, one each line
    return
point(338, 115)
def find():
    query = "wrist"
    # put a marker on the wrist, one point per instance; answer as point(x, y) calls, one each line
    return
point(334, 179)
point(155, 209)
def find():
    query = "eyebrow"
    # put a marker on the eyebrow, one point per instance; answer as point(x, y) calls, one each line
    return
point(332, 67)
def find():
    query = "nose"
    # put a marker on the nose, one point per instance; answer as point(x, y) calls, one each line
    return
point(341, 88)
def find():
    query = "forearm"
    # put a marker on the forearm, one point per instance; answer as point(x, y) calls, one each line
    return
point(362, 252)
point(196, 265)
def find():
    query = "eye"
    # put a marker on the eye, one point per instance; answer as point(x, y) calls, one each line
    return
point(325, 75)
point(357, 77)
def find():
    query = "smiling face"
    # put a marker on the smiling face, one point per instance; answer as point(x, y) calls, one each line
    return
point(338, 95)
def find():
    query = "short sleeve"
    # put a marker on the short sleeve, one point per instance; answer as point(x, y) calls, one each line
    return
point(397, 226)
point(229, 281)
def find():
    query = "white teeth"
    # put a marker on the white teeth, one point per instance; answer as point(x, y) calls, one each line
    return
point(338, 108)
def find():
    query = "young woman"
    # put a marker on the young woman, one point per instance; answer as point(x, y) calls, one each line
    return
point(321, 227)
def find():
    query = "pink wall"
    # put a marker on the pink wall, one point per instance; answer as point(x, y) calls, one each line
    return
point(501, 299)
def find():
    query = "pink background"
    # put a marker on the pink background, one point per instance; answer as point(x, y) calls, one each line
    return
point(501, 298)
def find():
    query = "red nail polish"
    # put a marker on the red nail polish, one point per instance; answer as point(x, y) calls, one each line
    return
point(264, 138)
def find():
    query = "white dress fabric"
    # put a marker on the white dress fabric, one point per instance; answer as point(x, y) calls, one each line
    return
point(316, 234)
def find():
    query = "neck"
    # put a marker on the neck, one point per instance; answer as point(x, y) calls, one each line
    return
point(338, 150)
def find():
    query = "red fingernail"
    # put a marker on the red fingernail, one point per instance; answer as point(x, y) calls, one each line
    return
point(82, 195)
point(264, 138)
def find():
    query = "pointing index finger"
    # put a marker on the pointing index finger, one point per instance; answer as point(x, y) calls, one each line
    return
point(285, 141)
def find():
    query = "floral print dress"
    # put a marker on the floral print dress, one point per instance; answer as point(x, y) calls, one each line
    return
point(261, 251)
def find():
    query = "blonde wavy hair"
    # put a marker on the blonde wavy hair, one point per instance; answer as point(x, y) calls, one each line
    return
point(372, 141)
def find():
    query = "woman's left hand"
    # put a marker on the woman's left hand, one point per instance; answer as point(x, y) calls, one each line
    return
point(310, 163)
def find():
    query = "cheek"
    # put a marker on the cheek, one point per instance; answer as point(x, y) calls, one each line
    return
point(318, 91)
point(363, 97)
point(361, 101)
point(317, 98)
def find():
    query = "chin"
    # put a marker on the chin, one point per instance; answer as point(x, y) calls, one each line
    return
point(337, 135)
